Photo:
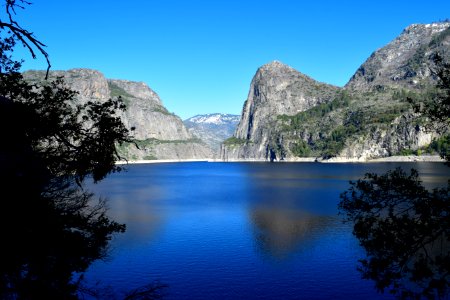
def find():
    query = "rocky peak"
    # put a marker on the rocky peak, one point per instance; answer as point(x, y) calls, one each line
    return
point(160, 134)
point(278, 89)
point(136, 89)
point(271, 127)
point(421, 29)
point(275, 65)
point(276, 70)
point(90, 84)
point(406, 61)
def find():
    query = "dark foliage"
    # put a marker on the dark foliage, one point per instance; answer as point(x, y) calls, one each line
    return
point(405, 231)
point(151, 291)
point(51, 228)
point(403, 227)
point(442, 146)
point(48, 240)
point(436, 104)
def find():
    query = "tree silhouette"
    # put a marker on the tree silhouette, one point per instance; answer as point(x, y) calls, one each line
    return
point(51, 228)
point(403, 227)
point(405, 231)
point(25, 37)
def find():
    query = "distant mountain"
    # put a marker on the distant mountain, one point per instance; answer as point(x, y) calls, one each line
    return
point(290, 116)
point(213, 129)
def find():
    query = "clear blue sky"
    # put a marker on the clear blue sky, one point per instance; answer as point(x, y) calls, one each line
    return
point(200, 56)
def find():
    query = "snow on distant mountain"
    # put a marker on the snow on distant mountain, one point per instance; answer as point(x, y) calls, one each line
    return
point(217, 119)
point(213, 129)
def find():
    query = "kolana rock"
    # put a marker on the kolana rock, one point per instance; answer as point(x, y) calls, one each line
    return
point(159, 133)
point(276, 89)
point(213, 128)
point(289, 116)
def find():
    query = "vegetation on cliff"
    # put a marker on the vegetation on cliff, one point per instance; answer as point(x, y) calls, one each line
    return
point(403, 227)
point(373, 116)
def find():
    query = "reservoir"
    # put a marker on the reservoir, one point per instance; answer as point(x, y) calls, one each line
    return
point(238, 230)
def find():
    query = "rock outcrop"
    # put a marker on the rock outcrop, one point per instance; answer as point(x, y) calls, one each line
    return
point(159, 133)
point(276, 89)
point(146, 112)
point(403, 133)
point(405, 62)
point(288, 115)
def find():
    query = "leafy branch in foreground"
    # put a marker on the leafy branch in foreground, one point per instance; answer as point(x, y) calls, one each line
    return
point(73, 140)
point(51, 227)
point(405, 231)
point(403, 227)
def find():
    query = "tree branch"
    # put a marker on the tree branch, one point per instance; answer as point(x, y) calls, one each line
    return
point(24, 36)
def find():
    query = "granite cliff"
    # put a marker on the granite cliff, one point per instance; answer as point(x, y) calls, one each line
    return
point(289, 116)
point(158, 133)
point(406, 62)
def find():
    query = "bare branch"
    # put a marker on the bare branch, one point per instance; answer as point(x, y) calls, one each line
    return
point(24, 36)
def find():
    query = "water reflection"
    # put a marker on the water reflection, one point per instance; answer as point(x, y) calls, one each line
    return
point(138, 206)
point(49, 240)
point(196, 226)
point(404, 230)
point(280, 232)
point(291, 206)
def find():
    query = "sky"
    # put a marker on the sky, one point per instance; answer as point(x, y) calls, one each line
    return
point(200, 56)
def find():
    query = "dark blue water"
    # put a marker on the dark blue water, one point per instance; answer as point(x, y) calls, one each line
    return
point(238, 230)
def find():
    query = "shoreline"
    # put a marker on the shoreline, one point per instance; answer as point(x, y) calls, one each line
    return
point(409, 158)
point(158, 161)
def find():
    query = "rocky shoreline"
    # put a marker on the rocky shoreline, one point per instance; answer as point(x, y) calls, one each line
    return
point(158, 161)
point(410, 158)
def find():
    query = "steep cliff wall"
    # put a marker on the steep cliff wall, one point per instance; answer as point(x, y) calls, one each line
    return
point(160, 134)
point(146, 112)
point(403, 133)
point(405, 62)
point(276, 89)
point(288, 115)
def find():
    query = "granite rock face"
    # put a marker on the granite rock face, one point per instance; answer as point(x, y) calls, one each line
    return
point(288, 115)
point(407, 61)
point(90, 84)
point(276, 89)
point(402, 134)
point(146, 112)
point(161, 134)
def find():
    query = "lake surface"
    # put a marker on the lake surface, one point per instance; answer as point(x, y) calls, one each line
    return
point(238, 230)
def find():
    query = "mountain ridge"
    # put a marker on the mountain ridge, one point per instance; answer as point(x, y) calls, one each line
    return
point(289, 115)
point(400, 62)
point(158, 133)
point(368, 118)
point(212, 128)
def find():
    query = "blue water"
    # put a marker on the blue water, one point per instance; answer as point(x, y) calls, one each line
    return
point(238, 230)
